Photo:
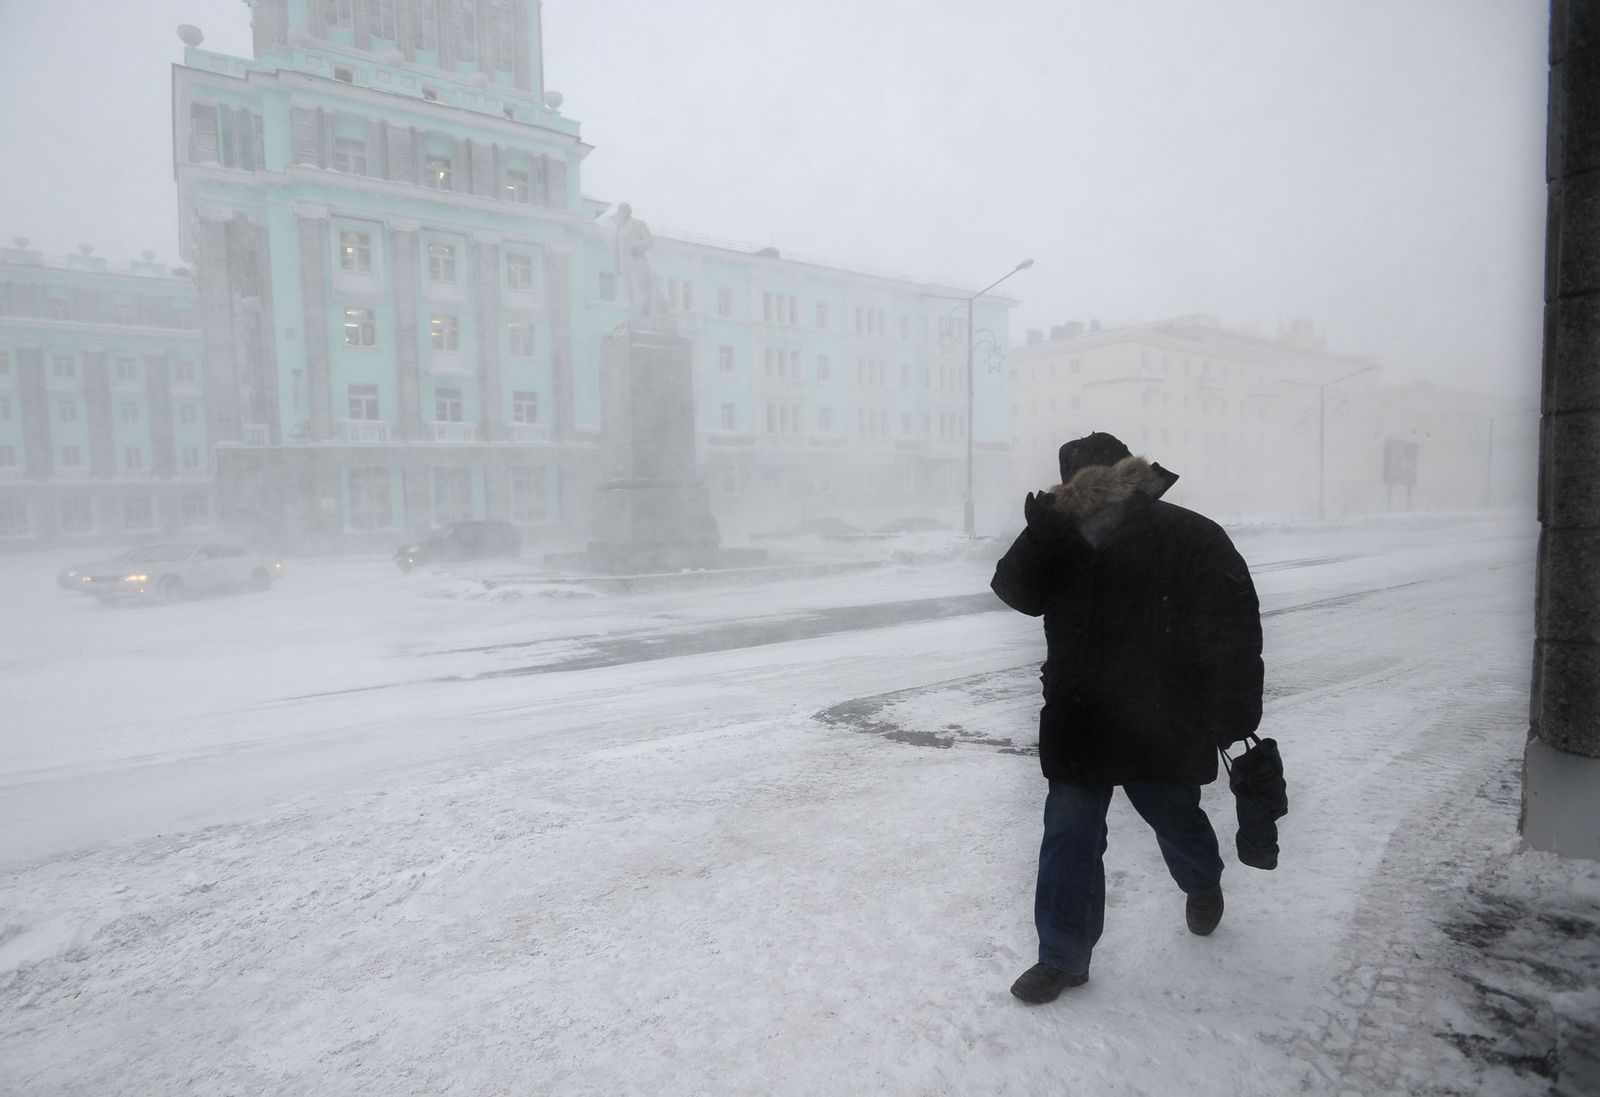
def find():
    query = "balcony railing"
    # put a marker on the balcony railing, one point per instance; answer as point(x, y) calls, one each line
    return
point(364, 431)
point(454, 432)
point(257, 434)
point(529, 432)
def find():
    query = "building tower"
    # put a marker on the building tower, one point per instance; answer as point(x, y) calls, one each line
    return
point(383, 213)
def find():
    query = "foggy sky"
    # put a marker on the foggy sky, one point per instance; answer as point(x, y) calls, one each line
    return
point(1375, 165)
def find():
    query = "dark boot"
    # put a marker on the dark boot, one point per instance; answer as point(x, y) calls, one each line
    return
point(1042, 983)
point(1204, 912)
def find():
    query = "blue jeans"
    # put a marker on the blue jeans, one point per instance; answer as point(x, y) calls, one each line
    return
point(1070, 901)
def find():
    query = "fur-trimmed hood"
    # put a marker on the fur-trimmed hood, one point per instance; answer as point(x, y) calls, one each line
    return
point(1094, 488)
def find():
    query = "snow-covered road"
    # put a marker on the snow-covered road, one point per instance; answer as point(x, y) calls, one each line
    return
point(320, 841)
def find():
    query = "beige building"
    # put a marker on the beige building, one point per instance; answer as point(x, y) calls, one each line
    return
point(1259, 427)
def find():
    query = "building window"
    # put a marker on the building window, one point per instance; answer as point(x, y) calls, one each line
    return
point(202, 133)
point(724, 302)
point(525, 407)
point(445, 333)
point(680, 294)
point(464, 30)
point(190, 458)
point(369, 498)
point(363, 402)
point(529, 500)
point(360, 329)
point(825, 419)
point(519, 187)
point(730, 418)
point(441, 262)
point(5, 409)
point(452, 494)
point(350, 155)
point(822, 314)
point(824, 366)
point(130, 411)
point(67, 411)
point(13, 518)
point(194, 510)
point(188, 414)
point(64, 366)
point(519, 272)
point(132, 458)
point(430, 94)
point(519, 338)
point(76, 515)
point(725, 358)
point(388, 22)
point(447, 405)
point(137, 513)
point(127, 371)
point(71, 457)
point(8, 457)
point(184, 373)
point(339, 13)
point(355, 252)
point(608, 286)
point(436, 172)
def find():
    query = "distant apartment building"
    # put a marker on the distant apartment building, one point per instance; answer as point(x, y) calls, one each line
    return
point(103, 428)
point(1261, 427)
point(402, 294)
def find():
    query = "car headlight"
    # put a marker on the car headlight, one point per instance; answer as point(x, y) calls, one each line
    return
point(136, 578)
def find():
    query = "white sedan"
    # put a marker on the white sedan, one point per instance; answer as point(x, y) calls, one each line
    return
point(171, 571)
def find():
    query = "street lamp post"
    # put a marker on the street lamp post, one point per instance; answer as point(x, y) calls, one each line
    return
point(968, 511)
point(1488, 464)
point(1322, 437)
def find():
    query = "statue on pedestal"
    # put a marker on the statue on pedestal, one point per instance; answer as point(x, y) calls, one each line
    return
point(633, 243)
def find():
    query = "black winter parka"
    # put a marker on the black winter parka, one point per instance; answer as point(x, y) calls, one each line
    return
point(1153, 638)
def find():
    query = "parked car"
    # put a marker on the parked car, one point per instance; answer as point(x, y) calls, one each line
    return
point(171, 571)
point(72, 578)
point(461, 541)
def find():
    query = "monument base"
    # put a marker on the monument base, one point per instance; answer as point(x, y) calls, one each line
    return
point(644, 525)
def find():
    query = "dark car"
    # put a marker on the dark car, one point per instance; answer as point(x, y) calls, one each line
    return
point(461, 541)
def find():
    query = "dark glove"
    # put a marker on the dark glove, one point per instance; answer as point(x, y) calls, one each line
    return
point(1045, 523)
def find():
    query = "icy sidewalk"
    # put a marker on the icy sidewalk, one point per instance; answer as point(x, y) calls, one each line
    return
point(675, 878)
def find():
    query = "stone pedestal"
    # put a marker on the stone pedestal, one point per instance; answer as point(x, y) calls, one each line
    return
point(651, 513)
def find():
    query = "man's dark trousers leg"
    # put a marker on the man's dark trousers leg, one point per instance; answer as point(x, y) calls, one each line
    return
point(1070, 898)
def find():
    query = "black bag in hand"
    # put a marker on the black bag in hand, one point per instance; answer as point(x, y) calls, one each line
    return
point(1260, 798)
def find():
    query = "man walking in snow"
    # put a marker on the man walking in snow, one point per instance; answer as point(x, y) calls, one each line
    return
point(1153, 661)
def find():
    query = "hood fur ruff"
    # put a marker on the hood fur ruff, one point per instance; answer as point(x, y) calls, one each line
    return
point(1097, 487)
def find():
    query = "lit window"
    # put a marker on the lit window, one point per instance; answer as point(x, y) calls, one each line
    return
point(355, 252)
point(445, 333)
point(360, 330)
point(518, 187)
point(436, 172)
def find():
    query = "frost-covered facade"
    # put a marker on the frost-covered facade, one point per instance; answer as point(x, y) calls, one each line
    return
point(402, 294)
point(103, 431)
